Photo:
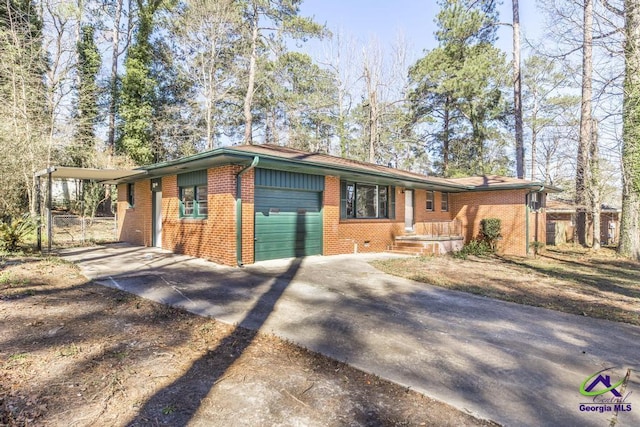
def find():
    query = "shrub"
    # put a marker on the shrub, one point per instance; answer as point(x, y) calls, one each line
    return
point(475, 247)
point(14, 231)
point(491, 231)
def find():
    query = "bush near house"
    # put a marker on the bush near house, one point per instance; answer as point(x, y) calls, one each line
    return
point(491, 231)
point(486, 242)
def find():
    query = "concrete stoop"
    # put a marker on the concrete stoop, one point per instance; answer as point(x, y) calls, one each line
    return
point(426, 245)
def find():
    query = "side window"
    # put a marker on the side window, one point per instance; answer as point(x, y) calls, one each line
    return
point(193, 194)
point(429, 206)
point(131, 194)
point(444, 203)
point(193, 202)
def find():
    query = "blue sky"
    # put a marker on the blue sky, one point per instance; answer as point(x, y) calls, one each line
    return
point(364, 19)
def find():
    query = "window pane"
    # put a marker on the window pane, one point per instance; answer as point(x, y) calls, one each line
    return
point(366, 203)
point(187, 197)
point(131, 196)
point(445, 202)
point(429, 200)
point(201, 192)
point(383, 203)
point(351, 200)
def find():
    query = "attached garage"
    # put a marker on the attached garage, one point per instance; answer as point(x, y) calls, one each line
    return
point(288, 214)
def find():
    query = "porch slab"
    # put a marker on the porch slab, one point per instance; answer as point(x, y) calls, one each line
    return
point(427, 238)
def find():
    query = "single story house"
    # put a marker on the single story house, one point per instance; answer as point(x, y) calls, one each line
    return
point(241, 204)
point(563, 223)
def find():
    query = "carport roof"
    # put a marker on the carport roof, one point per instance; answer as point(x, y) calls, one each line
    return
point(91, 174)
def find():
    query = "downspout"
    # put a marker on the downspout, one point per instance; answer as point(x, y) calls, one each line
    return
point(253, 164)
point(526, 226)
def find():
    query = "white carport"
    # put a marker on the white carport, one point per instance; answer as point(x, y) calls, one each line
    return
point(105, 176)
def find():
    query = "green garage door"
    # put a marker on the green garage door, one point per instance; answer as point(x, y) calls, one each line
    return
point(288, 223)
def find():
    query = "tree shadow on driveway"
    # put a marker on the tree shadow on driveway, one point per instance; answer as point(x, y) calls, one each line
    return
point(193, 386)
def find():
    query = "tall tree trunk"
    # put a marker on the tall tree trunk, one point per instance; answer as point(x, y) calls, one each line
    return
point(113, 80)
point(445, 139)
point(630, 222)
point(248, 99)
point(534, 136)
point(517, 91)
point(582, 164)
point(373, 125)
point(594, 185)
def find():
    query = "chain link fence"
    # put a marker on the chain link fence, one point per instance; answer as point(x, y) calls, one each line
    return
point(69, 230)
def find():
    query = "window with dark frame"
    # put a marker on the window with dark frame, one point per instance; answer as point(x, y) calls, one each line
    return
point(193, 201)
point(131, 194)
point(430, 199)
point(535, 201)
point(366, 201)
point(444, 203)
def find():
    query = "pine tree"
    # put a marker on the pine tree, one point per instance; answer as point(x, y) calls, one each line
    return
point(457, 90)
point(138, 91)
point(88, 67)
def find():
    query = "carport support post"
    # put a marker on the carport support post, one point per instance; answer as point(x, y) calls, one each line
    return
point(253, 164)
point(39, 208)
point(49, 215)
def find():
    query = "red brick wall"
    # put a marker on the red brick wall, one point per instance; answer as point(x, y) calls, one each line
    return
point(213, 238)
point(134, 223)
point(509, 206)
point(248, 216)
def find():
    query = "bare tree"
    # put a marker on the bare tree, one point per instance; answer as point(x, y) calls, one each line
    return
point(23, 123)
point(208, 34)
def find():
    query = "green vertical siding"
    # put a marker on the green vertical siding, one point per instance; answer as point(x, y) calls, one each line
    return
point(284, 179)
point(192, 178)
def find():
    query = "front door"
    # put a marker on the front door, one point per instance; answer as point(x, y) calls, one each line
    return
point(408, 210)
point(157, 219)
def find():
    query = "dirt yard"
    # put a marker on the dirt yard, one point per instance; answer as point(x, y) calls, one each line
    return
point(568, 279)
point(73, 353)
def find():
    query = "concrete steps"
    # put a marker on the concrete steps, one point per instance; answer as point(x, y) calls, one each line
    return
point(418, 248)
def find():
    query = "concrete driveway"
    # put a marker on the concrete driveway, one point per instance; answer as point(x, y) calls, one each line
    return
point(514, 364)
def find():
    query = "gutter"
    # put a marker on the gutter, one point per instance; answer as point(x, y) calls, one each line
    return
point(253, 164)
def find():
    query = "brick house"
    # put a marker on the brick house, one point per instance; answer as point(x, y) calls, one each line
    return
point(242, 204)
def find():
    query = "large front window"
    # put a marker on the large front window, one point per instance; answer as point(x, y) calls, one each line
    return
point(365, 200)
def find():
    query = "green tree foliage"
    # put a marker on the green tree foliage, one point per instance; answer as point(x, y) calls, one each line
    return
point(83, 151)
point(456, 91)
point(176, 127)
point(139, 91)
point(267, 21)
point(297, 103)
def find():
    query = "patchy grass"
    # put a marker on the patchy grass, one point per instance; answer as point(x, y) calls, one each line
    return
point(568, 279)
